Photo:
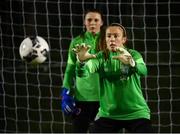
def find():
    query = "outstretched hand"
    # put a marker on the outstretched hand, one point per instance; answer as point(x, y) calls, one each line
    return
point(82, 52)
point(124, 57)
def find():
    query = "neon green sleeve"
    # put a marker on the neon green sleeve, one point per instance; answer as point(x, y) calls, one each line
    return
point(69, 74)
point(140, 66)
point(90, 66)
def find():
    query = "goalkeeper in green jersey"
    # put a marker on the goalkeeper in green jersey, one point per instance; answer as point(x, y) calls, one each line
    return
point(122, 104)
point(80, 96)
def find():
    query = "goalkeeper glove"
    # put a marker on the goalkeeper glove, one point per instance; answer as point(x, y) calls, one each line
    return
point(126, 57)
point(68, 104)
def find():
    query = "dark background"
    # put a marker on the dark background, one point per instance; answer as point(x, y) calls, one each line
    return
point(29, 94)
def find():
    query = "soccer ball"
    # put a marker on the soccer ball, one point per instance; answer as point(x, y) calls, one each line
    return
point(34, 50)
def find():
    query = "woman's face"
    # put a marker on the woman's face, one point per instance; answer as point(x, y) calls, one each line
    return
point(93, 22)
point(114, 38)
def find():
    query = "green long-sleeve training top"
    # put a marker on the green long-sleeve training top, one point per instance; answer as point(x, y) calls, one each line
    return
point(87, 88)
point(121, 96)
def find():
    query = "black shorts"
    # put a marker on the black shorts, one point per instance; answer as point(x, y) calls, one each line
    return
point(106, 125)
point(82, 121)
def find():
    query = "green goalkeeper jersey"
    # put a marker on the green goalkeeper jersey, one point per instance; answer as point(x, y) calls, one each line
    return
point(87, 88)
point(121, 97)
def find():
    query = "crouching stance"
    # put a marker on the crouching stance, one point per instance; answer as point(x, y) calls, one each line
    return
point(122, 104)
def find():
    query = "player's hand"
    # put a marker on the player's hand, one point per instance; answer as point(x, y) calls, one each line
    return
point(82, 52)
point(68, 104)
point(124, 57)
